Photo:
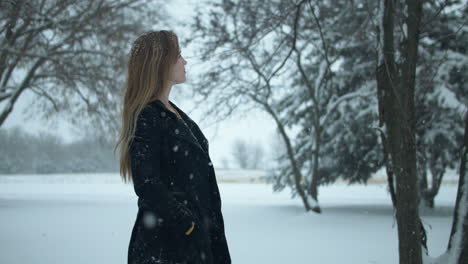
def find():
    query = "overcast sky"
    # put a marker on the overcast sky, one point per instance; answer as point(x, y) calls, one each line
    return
point(253, 127)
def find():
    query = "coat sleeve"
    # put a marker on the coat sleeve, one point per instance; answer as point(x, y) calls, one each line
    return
point(145, 157)
point(219, 245)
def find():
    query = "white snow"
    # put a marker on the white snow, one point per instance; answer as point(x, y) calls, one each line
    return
point(312, 202)
point(88, 219)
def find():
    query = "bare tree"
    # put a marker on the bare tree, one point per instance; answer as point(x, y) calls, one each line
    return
point(243, 32)
point(284, 68)
point(240, 153)
point(247, 156)
point(47, 153)
point(396, 75)
point(257, 156)
point(70, 54)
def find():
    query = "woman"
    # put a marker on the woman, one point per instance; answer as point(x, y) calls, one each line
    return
point(165, 154)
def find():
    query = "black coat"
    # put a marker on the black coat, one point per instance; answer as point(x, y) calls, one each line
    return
point(176, 186)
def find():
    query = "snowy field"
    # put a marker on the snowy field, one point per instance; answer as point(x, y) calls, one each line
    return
point(88, 219)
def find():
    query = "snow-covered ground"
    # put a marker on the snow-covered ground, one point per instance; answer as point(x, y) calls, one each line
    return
point(87, 218)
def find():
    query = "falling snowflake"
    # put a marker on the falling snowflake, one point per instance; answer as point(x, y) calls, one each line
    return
point(176, 131)
point(191, 176)
point(149, 220)
point(175, 148)
point(186, 153)
point(209, 163)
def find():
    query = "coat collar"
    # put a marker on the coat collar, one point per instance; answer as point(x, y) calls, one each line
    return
point(185, 129)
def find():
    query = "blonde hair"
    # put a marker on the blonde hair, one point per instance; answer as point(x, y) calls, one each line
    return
point(150, 62)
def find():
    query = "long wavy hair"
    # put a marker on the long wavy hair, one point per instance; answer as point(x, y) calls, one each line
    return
point(150, 63)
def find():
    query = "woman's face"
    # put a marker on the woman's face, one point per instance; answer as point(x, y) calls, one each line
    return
point(178, 71)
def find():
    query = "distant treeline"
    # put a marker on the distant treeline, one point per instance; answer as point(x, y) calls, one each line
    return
point(21, 152)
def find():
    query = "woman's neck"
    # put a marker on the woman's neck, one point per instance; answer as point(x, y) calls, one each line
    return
point(168, 105)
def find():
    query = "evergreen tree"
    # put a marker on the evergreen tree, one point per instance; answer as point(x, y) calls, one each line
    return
point(441, 94)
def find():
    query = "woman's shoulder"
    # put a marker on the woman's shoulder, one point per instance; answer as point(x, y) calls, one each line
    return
point(152, 116)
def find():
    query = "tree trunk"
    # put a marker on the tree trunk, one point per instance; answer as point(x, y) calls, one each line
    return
point(313, 188)
point(297, 176)
point(427, 199)
point(458, 244)
point(313, 192)
point(428, 194)
point(388, 168)
point(424, 188)
point(396, 112)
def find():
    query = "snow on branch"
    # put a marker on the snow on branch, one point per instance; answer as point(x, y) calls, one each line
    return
point(334, 105)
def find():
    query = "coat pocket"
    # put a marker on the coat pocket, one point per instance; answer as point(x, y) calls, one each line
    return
point(184, 199)
point(187, 246)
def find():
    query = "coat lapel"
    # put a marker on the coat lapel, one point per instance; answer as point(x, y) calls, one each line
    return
point(188, 132)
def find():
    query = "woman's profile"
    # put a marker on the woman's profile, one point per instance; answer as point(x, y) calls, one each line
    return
point(165, 154)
